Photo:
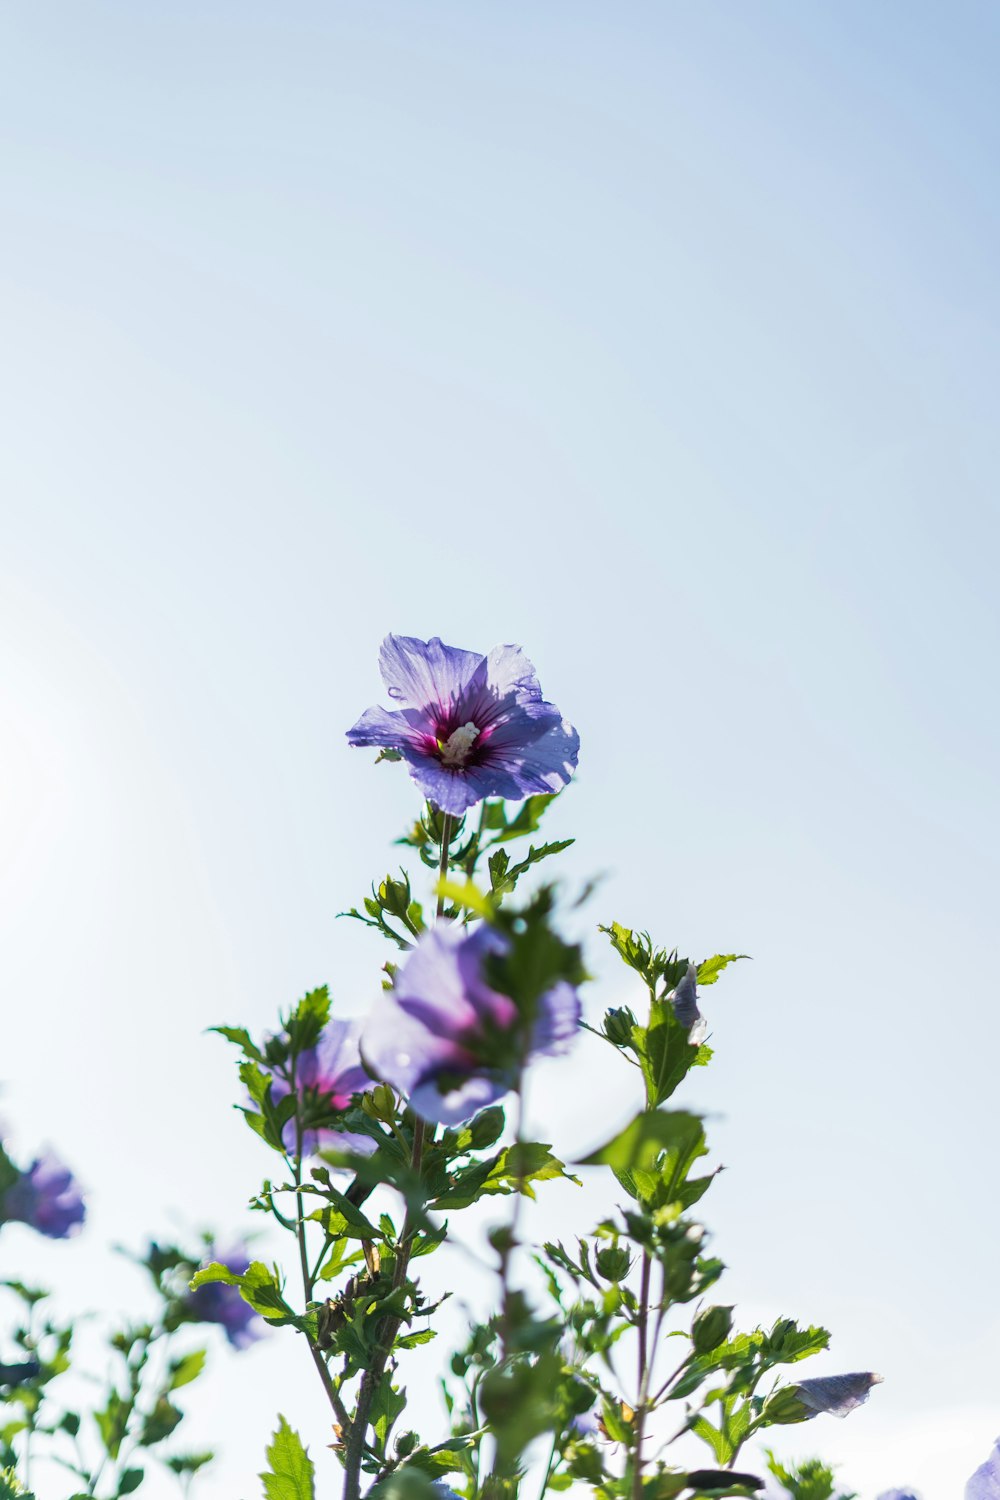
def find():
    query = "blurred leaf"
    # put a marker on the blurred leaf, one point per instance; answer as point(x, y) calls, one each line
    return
point(185, 1369)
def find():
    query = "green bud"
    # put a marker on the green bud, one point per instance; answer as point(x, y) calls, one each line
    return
point(785, 1406)
point(711, 1328)
point(618, 1026)
point(613, 1262)
point(486, 1127)
point(379, 1103)
point(405, 1443)
point(394, 896)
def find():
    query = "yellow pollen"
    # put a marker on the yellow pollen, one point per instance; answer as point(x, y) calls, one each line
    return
point(455, 749)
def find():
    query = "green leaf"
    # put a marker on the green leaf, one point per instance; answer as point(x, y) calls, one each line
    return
point(308, 1019)
point(666, 1055)
point(160, 1422)
point(709, 971)
point(185, 1369)
point(130, 1480)
point(466, 894)
point(637, 1148)
point(290, 1476)
point(240, 1038)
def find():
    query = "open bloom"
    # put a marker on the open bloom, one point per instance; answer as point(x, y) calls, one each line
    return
point(327, 1077)
point(47, 1197)
point(985, 1482)
point(469, 726)
point(217, 1303)
point(836, 1394)
point(447, 1040)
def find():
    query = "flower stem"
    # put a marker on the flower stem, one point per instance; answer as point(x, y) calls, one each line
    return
point(447, 823)
point(642, 1401)
point(308, 1280)
point(390, 1326)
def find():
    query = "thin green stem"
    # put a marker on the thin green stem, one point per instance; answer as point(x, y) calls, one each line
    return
point(390, 1326)
point(642, 1401)
point(308, 1279)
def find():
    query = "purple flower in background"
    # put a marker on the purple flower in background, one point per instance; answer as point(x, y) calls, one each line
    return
point(327, 1077)
point(447, 1040)
point(218, 1303)
point(838, 1395)
point(985, 1482)
point(47, 1197)
point(469, 726)
point(898, 1495)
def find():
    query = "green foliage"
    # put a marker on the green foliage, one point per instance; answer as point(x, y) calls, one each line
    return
point(810, 1480)
point(290, 1472)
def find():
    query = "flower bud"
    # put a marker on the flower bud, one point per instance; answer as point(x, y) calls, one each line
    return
point(379, 1103)
point(486, 1127)
point(394, 896)
point(618, 1026)
point(784, 1407)
point(711, 1328)
point(405, 1444)
point(613, 1262)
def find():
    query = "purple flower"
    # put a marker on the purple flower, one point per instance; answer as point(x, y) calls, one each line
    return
point(985, 1482)
point(685, 1002)
point(898, 1495)
point(443, 1037)
point(469, 726)
point(327, 1077)
point(836, 1394)
point(47, 1197)
point(217, 1303)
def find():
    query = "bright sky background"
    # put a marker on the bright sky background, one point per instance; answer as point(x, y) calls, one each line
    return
point(660, 338)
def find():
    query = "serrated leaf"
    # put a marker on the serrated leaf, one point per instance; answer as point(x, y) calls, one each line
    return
point(709, 971)
point(291, 1473)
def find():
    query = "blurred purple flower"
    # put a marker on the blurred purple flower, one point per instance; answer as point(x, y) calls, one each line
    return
point(985, 1482)
point(47, 1197)
point(838, 1395)
point(898, 1495)
point(447, 1040)
point(469, 726)
point(218, 1303)
point(327, 1077)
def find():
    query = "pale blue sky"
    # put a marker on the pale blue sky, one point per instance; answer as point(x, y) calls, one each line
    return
point(660, 338)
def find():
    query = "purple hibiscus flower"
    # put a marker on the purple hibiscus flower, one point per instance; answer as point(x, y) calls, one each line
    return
point(985, 1482)
point(447, 1040)
point(218, 1303)
point(327, 1077)
point(47, 1197)
point(469, 726)
point(838, 1395)
point(898, 1495)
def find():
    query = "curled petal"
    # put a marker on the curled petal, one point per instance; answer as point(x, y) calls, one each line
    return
point(837, 1395)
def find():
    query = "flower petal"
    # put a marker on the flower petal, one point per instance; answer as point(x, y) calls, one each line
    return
point(838, 1395)
point(457, 1102)
point(420, 674)
point(380, 726)
point(985, 1482)
point(558, 1020)
point(545, 766)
